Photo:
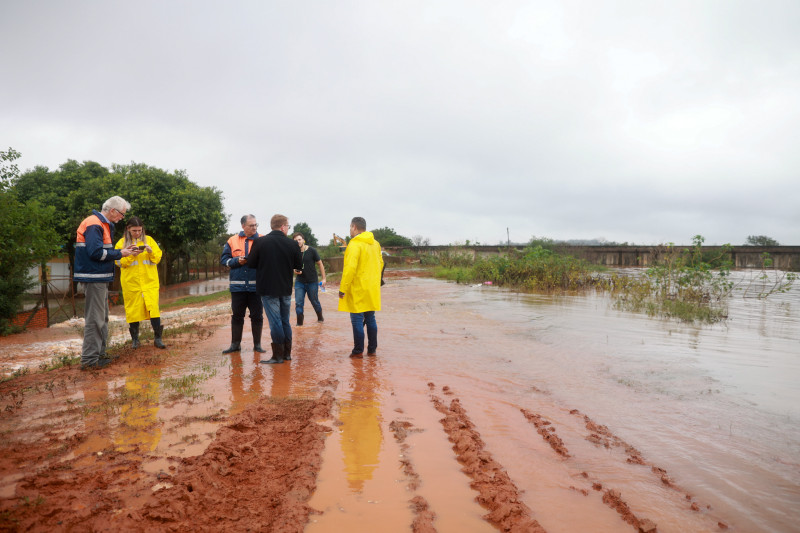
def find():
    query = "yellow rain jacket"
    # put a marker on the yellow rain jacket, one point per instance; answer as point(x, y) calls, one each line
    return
point(361, 275)
point(139, 276)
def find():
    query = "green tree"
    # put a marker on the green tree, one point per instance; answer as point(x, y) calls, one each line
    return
point(27, 239)
point(178, 213)
point(73, 190)
point(760, 240)
point(388, 237)
point(308, 235)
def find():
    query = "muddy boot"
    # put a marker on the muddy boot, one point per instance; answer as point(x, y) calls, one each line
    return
point(287, 350)
point(257, 327)
point(300, 319)
point(236, 338)
point(277, 355)
point(158, 330)
point(134, 329)
point(319, 316)
point(157, 341)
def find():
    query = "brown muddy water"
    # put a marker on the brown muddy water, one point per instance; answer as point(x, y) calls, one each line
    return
point(717, 407)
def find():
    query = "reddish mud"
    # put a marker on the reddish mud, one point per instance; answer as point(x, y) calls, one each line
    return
point(304, 447)
point(495, 489)
point(257, 474)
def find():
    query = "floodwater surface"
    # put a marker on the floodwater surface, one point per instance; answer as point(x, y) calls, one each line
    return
point(707, 416)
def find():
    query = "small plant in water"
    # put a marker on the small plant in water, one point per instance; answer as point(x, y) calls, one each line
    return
point(769, 281)
point(682, 285)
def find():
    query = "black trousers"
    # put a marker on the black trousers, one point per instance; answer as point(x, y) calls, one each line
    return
point(241, 302)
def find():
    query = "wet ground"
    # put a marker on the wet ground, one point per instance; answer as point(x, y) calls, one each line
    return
point(483, 410)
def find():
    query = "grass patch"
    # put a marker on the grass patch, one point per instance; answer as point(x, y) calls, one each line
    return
point(188, 385)
point(15, 374)
point(60, 361)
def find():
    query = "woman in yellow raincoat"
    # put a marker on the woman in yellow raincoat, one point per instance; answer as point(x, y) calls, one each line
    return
point(140, 281)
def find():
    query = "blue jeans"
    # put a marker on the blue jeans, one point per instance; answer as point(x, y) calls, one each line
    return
point(359, 320)
point(277, 308)
point(300, 291)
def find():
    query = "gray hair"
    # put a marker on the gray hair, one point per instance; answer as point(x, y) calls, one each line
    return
point(116, 202)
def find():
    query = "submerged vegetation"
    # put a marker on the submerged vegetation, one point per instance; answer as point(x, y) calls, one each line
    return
point(535, 269)
point(690, 285)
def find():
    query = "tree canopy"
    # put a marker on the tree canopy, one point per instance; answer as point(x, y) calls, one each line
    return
point(760, 240)
point(176, 212)
point(388, 237)
point(27, 239)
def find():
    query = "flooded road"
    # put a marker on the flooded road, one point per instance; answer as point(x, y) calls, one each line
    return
point(693, 428)
point(717, 406)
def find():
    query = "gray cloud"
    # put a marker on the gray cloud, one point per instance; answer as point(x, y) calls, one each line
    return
point(632, 121)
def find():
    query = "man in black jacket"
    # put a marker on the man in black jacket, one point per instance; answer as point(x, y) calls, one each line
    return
point(275, 257)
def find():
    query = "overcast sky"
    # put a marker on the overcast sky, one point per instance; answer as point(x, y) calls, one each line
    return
point(633, 121)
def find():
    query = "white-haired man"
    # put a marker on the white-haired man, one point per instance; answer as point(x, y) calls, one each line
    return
point(94, 268)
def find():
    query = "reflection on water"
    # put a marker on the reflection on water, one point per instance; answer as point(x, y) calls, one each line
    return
point(196, 288)
point(139, 425)
point(361, 429)
point(241, 397)
point(95, 420)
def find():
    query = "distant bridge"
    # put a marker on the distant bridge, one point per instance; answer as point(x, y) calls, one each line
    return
point(783, 257)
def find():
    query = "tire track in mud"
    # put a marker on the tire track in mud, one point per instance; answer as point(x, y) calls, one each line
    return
point(423, 516)
point(496, 491)
point(600, 435)
point(612, 498)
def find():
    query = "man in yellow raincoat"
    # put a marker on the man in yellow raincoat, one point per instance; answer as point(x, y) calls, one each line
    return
point(139, 276)
point(360, 288)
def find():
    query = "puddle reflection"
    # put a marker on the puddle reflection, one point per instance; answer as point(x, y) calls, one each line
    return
point(139, 425)
point(95, 420)
point(241, 397)
point(361, 429)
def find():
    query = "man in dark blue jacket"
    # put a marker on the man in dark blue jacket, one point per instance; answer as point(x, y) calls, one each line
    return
point(275, 257)
point(243, 285)
point(94, 268)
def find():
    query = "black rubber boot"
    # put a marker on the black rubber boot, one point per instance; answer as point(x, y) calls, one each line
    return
point(319, 316)
point(236, 338)
point(158, 330)
point(287, 350)
point(277, 355)
point(134, 329)
point(300, 319)
point(257, 327)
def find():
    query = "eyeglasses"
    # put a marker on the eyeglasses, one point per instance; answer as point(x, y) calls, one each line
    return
point(120, 213)
point(251, 225)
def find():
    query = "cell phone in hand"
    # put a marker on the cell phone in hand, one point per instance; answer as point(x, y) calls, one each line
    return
point(142, 247)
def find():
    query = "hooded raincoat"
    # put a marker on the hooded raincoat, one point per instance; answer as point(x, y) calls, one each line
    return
point(361, 275)
point(139, 278)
